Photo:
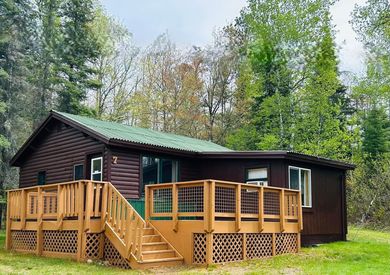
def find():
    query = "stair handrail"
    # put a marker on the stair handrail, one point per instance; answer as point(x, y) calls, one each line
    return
point(125, 221)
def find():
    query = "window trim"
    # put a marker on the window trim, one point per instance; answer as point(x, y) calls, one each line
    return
point(101, 167)
point(310, 187)
point(74, 170)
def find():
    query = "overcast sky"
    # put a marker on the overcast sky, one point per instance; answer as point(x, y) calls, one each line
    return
point(191, 22)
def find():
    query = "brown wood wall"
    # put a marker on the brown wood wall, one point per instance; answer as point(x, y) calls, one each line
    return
point(125, 174)
point(324, 221)
point(56, 153)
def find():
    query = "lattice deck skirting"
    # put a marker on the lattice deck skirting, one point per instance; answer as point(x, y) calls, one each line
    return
point(97, 246)
point(229, 247)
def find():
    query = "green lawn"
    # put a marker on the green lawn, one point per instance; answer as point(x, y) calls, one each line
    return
point(366, 252)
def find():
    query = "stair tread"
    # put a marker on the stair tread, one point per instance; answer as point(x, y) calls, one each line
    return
point(158, 251)
point(154, 235)
point(155, 243)
point(175, 259)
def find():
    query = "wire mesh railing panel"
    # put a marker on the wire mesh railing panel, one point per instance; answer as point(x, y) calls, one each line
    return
point(271, 203)
point(190, 199)
point(50, 203)
point(225, 199)
point(249, 201)
point(291, 205)
point(162, 200)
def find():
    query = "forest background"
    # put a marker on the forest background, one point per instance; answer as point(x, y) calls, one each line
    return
point(269, 81)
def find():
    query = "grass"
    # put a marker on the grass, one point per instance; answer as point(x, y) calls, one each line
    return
point(366, 252)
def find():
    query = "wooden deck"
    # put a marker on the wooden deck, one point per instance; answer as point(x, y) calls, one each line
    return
point(199, 222)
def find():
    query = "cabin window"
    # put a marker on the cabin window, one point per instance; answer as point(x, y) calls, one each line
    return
point(158, 170)
point(78, 172)
point(257, 176)
point(300, 179)
point(97, 169)
point(41, 178)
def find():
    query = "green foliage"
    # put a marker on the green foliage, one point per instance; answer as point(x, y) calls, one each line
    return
point(376, 134)
point(79, 50)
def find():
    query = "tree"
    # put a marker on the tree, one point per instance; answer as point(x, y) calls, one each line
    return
point(77, 54)
point(376, 134)
point(46, 57)
point(116, 68)
point(318, 130)
point(17, 38)
point(279, 42)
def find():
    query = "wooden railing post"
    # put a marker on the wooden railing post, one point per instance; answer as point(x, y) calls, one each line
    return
point(60, 206)
point(282, 214)
point(139, 242)
point(261, 208)
point(80, 234)
point(238, 207)
point(88, 206)
point(104, 205)
point(129, 230)
point(175, 207)
point(209, 206)
point(147, 204)
point(8, 224)
point(300, 222)
point(23, 206)
point(40, 222)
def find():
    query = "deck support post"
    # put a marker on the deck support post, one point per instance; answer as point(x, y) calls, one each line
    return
point(8, 224)
point(60, 207)
point(273, 244)
point(238, 207)
point(261, 209)
point(282, 214)
point(175, 207)
point(209, 206)
point(104, 206)
point(299, 242)
point(244, 246)
point(300, 223)
point(147, 204)
point(40, 223)
point(23, 210)
point(209, 248)
point(80, 208)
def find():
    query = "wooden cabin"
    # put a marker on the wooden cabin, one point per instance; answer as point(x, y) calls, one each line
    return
point(140, 198)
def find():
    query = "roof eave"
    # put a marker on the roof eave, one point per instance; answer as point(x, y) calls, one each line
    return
point(278, 155)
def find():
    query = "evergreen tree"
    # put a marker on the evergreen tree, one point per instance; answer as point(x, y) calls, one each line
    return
point(319, 130)
point(17, 38)
point(79, 50)
point(376, 134)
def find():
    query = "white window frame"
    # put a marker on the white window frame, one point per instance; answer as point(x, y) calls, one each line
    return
point(300, 184)
point(101, 167)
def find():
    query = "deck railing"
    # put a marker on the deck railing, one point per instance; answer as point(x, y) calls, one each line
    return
point(213, 201)
point(91, 204)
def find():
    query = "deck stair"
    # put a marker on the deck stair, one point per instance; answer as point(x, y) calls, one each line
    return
point(141, 245)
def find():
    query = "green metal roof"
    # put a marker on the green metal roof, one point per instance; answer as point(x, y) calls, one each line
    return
point(117, 131)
